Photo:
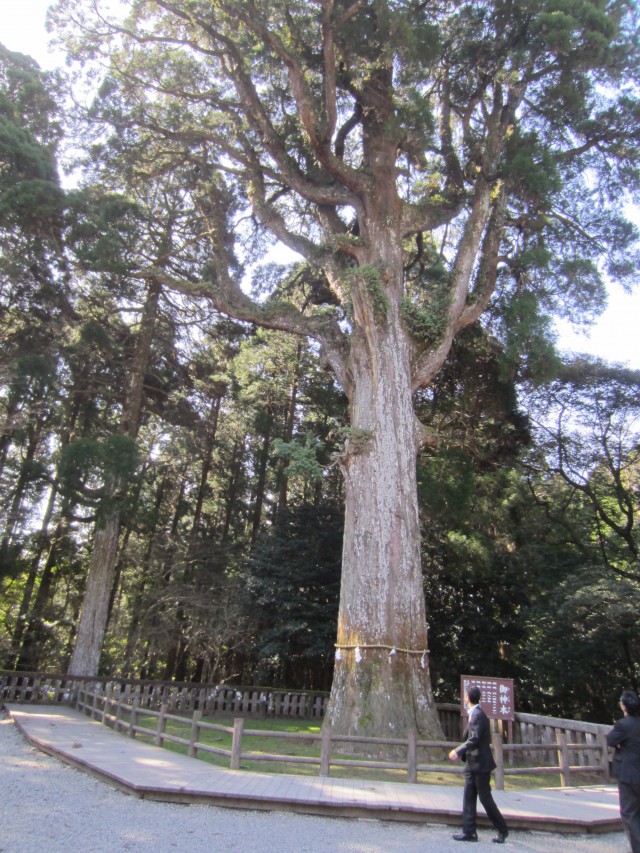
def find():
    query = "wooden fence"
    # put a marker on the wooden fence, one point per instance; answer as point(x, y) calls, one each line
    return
point(211, 699)
point(187, 697)
point(534, 745)
point(113, 710)
point(577, 747)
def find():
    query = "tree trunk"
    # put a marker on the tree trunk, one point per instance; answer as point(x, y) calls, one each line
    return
point(10, 548)
point(207, 459)
point(263, 459)
point(382, 604)
point(35, 635)
point(381, 681)
point(234, 481)
point(43, 541)
point(282, 481)
point(137, 594)
point(85, 659)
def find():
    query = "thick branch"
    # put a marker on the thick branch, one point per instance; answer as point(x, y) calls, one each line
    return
point(228, 298)
point(485, 281)
point(258, 117)
point(319, 133)
point(330, 104)
point(465, 260)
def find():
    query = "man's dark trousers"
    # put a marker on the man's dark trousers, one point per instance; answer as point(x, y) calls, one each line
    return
point(476, 751)
point(630, 811)
point(478, 785)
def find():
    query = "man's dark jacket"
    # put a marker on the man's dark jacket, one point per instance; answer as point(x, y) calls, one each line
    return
point(625, 737)
point(476, 750)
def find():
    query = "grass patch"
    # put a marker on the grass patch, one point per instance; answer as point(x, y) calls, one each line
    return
point(309, 747)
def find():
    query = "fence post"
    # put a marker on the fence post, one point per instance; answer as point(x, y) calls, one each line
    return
point(195, 728)
point(133, 717)
point(160, 726)
point(23, 689)
point(118, 720)
point(412, 755)
point(604, 746)
point(498, 755)
point(325, 749)
point(236, 745)
point(563, 757)
point(105, 707)
point(94, 706)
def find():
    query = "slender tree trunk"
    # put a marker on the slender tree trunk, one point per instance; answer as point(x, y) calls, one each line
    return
point(212, 437)
point(36, 634)
point(234, 481)
point(23, 625)
point(137, 595)
point(26, 646)
point(116, 589)
point(85, 659)
point(178, 654)
point(169, 563)
point(6, 436)
point(15, 516)
point(263, 458)
point(281, 478)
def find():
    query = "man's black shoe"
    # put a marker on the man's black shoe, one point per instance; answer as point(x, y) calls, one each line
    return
point(500, 838)
point(465, 837)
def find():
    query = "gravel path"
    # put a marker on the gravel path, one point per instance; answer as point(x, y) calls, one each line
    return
point(48, 807)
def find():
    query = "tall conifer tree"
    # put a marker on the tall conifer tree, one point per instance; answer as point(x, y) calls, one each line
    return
point(429, 161)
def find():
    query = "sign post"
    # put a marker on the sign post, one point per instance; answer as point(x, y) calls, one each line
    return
point(496, 696)
point(496, 700)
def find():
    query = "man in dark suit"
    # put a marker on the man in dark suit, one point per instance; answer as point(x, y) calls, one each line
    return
point(625, 738)
point(476, 751)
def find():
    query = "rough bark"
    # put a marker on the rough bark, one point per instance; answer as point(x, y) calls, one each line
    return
point(85, 659)
point(381, 680)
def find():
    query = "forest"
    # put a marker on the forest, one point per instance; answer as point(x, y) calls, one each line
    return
point(275, 273)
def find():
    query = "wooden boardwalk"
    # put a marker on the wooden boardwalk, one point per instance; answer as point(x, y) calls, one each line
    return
point(154, 773)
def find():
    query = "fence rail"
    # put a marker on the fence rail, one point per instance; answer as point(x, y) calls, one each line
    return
point(111, 709)
point(25, 687)
point(536, 745)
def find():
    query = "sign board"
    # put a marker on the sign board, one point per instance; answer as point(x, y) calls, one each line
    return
point(496, 698)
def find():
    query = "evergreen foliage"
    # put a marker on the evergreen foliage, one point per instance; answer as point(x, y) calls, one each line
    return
point(292, 582)
point(216, 444)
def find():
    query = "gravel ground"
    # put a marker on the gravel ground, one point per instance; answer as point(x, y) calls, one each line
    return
point(47, 806)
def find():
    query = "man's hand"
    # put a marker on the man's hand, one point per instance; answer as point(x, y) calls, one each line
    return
point(453, 755)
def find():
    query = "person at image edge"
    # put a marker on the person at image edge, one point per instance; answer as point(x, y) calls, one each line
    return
point(624, 737)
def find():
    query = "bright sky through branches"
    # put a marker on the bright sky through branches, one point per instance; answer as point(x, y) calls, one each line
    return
point(615, 337)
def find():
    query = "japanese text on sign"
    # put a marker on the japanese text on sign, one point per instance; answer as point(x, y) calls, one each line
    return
point(496, 698)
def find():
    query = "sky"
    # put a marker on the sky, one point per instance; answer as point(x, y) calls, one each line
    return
point(615, 337)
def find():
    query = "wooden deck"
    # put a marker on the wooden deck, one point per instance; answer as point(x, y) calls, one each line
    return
point(154, 773)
